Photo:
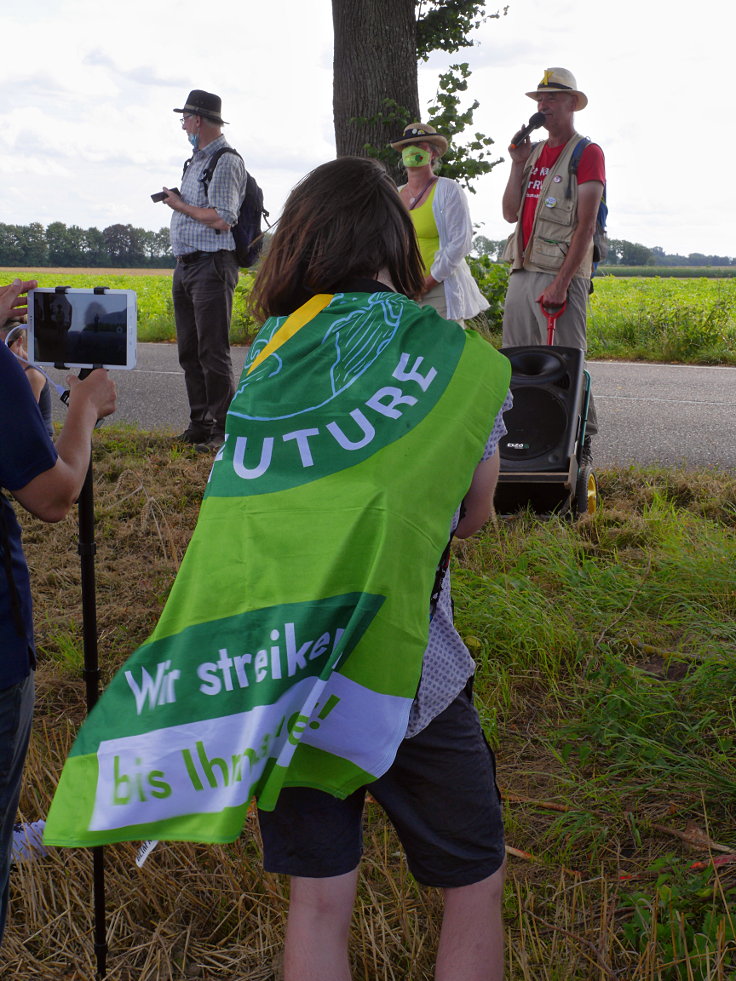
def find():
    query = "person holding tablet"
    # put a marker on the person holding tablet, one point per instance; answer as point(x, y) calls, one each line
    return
point(46, 480)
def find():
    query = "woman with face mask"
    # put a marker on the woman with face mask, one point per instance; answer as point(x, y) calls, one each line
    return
point(439, 212)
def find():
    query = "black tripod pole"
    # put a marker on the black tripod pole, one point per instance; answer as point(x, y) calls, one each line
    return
point(87, 548)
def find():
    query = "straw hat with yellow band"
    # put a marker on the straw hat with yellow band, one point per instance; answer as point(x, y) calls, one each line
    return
point(559, 80)
point(421, 133)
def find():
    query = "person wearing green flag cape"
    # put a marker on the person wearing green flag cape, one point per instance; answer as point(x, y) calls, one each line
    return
point(306, 654)
point(341, 234)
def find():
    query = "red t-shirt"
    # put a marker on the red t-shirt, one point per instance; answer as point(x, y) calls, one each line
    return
point(592, 167)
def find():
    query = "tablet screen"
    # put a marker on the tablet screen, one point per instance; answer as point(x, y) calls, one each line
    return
point(81, 328)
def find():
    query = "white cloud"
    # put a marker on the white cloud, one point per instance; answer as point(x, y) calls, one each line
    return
point(89, 132)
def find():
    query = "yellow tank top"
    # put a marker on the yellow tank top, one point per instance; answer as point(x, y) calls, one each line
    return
point(426, 228)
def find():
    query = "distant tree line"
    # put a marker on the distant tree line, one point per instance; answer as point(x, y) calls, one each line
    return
point(621, 253)
point(28, 246)
point(661, 258)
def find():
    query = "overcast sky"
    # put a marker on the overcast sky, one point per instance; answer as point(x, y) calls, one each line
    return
point(88, 88)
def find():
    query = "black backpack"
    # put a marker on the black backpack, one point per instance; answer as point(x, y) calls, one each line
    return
point(247, 230)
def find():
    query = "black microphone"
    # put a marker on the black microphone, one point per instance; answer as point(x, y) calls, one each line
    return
point(534, 123)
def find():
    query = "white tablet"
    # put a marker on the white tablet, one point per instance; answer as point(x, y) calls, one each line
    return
point(82, 328)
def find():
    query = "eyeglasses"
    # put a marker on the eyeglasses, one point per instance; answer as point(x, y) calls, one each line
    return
point(185, 116)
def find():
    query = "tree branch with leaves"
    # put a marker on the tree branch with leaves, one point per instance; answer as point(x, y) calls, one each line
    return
point(377, 46)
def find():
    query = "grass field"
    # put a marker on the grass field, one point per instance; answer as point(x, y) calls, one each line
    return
point(688, 272)
point(100, 276)
point(606, 680)
point(691, 321)
point(153, 288)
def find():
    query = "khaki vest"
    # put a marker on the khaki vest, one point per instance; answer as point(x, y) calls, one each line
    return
point(555, 220)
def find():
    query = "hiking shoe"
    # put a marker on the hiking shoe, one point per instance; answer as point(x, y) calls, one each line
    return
point(211, 445)
point(193, 436)
point(586, 453)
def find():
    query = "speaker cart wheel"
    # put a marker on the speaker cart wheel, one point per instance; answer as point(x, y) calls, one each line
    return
point(586, 492)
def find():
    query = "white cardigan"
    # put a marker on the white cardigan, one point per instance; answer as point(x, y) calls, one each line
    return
point(452, 215)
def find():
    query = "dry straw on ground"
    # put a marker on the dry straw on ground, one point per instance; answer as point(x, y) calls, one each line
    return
point(210, 912)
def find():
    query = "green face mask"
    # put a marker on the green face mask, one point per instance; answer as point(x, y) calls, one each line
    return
point(414, 156)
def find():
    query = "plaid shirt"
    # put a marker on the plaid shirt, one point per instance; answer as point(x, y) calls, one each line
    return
point(225, 194)
point(447, 662)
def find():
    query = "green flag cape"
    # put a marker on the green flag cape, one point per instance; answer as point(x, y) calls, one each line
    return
point(290, 648)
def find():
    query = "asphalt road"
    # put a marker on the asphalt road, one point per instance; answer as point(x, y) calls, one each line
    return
point(675, 415)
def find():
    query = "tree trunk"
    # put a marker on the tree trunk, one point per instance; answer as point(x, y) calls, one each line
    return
point(375, 59)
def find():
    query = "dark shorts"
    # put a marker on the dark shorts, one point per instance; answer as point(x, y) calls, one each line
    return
point(440, 795)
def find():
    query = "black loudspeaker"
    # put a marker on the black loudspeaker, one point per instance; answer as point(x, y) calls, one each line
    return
point(538, 453)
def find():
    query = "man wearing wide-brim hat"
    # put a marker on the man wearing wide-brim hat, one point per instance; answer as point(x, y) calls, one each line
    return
point(552, 195)
point(206, 270)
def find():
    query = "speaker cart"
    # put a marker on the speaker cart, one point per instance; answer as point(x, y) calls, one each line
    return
point(542, 461)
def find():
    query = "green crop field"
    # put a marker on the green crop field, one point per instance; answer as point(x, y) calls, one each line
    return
point(688, 272)
point(155, 307)
point(690, 321)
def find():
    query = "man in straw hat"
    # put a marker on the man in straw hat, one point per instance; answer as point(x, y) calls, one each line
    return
point(551, 250)
point(206, 268)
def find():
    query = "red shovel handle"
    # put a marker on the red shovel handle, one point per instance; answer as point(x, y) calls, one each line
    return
point(551, 313)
